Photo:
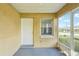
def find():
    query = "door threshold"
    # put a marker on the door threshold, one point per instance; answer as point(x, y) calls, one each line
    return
point(27, 46)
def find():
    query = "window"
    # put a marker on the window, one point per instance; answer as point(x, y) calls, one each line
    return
point(69, 31)
point(46, 26)
point(64, 29)
point(76, 30)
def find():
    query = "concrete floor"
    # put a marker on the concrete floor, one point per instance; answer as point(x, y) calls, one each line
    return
point(38, 52)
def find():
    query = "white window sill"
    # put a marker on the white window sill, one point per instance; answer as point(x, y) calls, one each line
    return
point(46, 36)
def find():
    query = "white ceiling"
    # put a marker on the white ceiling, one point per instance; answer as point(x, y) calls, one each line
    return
point(38, 7)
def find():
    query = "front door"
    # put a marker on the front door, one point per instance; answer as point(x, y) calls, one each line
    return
point(27, 31)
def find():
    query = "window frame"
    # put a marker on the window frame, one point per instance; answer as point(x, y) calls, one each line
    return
point(46, 36)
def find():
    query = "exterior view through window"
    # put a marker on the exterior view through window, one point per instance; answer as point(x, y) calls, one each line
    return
point(64, 29)
point(76, 30)
point(69, 30)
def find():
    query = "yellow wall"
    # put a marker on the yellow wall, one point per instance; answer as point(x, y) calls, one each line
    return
point(9, 30)
point(38, 41)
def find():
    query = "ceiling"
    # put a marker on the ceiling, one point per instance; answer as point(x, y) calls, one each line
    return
point(38, 7)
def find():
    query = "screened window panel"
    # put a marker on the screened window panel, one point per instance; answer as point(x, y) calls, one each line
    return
point(76, 30)
point(64, 29)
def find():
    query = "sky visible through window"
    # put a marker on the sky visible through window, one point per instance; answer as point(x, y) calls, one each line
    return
point(64, 21)
point(76, 19)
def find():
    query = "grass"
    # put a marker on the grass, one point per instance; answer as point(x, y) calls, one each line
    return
point(65, 40)
point(77, 45)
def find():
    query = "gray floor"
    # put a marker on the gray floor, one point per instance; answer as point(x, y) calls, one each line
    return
point(29, 51)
